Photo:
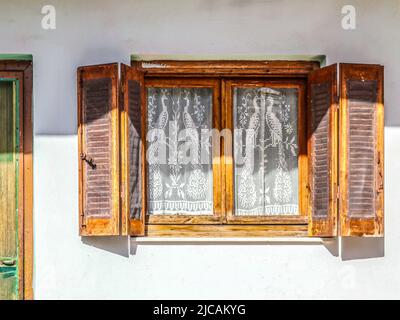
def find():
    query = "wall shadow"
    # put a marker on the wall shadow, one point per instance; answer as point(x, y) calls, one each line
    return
point(353, 248)
point(115, 244)
point(332, 245)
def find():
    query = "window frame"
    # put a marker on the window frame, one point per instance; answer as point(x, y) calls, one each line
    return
point(261, 71)
point(228, 107)
point(218, 213)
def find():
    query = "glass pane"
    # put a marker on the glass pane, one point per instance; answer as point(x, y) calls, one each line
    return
point(266, 151)
point(179, 160)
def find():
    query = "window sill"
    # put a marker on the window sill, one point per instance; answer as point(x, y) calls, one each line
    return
point(265, 240)
point(226, 231)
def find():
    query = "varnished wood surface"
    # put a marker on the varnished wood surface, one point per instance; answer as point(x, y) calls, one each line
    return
point(323, 224)
point(132, 221)
point(351, 225)
point(226, 230)
point(92, 225)
point(226, 68)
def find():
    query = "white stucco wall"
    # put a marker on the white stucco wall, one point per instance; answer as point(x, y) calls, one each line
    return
point(90, 32)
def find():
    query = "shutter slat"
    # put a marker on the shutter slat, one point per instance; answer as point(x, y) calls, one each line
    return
point(361, 150)
point(322, 157)
point(361, 96)
point(98, 141)
point(97, 105)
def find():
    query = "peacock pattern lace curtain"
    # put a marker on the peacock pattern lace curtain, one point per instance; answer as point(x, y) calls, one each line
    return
point(266, 151)
point(178, 181)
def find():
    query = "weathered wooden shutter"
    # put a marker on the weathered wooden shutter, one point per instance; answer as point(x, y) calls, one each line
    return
point(98, 136)
point(322, 146)
point(361, 150)
point(132, 152)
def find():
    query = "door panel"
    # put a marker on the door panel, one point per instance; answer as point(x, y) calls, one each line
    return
point(9, 153)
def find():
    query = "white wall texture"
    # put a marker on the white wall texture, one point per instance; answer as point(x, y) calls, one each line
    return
point(91, 32)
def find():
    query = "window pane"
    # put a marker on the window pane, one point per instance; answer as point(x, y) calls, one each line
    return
point(179, 164)
point(266, 151)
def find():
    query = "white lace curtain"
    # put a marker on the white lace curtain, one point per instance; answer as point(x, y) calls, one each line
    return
point(266, 151)
point(177, 115)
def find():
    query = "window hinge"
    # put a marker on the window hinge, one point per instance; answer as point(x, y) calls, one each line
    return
point(83, 224)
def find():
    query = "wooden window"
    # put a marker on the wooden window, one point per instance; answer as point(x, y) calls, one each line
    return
point(269, 184)
point(180, 192)
point(273, 166)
